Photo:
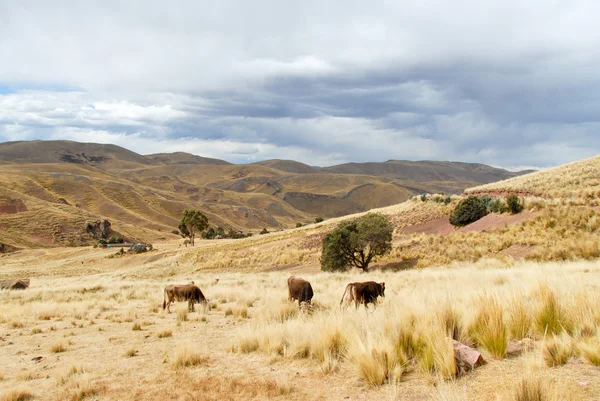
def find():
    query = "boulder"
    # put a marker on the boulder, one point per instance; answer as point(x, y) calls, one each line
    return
point(14, 284)
point(138, 248)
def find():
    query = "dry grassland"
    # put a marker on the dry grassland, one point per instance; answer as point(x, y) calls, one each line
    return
point(578, 181)
point(105, 337)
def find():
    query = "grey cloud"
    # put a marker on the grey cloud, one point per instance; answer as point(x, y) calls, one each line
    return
point(319, 81)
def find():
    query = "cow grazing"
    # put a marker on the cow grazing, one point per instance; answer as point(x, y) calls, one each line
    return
point(300, 290)
point(185, 292)
point(363, 293)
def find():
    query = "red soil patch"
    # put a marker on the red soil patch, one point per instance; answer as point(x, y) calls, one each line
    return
point(9, 205)
point(493, 221)
point(438, 226)
point(442, 226)
point(503, 193)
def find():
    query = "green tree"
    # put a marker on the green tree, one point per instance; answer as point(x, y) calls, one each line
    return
point(192, 221)
point(357, 243)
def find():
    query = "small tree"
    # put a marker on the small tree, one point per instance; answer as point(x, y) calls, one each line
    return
point(468, 210)
point(514, 204)
point(357, 243)
point(192, 222)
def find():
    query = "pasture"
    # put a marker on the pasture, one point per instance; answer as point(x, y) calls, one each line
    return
point(104, 335)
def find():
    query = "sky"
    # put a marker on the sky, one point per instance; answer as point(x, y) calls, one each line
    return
point(508, 83)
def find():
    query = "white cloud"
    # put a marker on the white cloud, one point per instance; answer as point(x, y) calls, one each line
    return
point(499, 82)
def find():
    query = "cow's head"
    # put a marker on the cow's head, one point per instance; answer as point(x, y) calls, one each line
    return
point(382, 293)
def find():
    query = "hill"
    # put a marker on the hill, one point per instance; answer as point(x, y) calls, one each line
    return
point(577, 181)
point(184, 158)
point(143, 196)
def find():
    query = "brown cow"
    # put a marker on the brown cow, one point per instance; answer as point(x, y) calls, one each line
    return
point(363, 293)
point(299, 289)
point(185, 292)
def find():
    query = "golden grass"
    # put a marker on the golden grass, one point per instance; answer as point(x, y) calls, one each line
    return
point(406, 338)
point(186, 356)
point(58, 347)
point(488, 328)
point(17, 395)
point(556, 350)
point(574, 181)
point(164, 333)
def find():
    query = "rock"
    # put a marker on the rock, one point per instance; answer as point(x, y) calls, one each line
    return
point(14, 284)
point(467, 358)
point(138, 248)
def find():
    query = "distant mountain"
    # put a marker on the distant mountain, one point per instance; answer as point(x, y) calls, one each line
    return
point(290, 166)
point(184, 158)
point(49, 189)
point(426, 171)
point(91, 154)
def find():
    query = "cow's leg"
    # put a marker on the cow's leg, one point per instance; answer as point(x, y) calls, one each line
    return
point(169, 306)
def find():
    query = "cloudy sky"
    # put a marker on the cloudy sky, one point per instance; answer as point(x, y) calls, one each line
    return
point(507, 83)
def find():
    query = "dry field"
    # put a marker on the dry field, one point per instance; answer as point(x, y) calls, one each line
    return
point(104, 335)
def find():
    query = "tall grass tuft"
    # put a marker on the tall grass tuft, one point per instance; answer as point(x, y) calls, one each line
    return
point(530, 389)
point(549, 316)
point(519, 320)
point(556, 351)
point(590, 351)
point(17, 395)
point(185, 357)
point(488, 329)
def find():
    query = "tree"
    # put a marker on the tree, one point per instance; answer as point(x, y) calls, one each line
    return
point(192, 222)
point(356, 243)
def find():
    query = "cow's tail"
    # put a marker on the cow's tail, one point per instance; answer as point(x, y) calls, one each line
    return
point(165, 299)
point(344, 295)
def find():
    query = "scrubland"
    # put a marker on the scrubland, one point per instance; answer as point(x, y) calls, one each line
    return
point(104, 337)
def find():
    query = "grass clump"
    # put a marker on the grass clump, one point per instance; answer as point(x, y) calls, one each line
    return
point(131, 352)
point(164, 333)
point(488, 328)
point(185, 357)
point(136, 327)
point(530, 389)
point(17, 395)
point(590, 351)
point(550, 317)
point(556, 351)
point(58, 347)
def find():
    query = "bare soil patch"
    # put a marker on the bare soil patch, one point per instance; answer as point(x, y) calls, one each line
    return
point(440, 226)
point(494, 221)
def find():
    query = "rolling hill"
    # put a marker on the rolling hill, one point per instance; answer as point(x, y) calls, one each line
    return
point(50, 189)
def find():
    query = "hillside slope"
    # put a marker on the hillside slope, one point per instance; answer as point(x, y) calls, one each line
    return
point(93, 181)
point(577, 180)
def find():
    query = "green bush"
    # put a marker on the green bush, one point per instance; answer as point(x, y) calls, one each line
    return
point(298, 225)
point(424, 198)
point(115, 239)
point(264, 231)
point(515, 205)
point(497, 206)
point(467, 211)
point(319, 219)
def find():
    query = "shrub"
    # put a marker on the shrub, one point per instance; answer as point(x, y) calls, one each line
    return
point(515, 205)
point(447, 200)
point(497, 206)
point(467, 211)
point(115, 239)
point(175, 231)
point(298, 225)
point(264, 231)
point(319, 219)
point(423, 197)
